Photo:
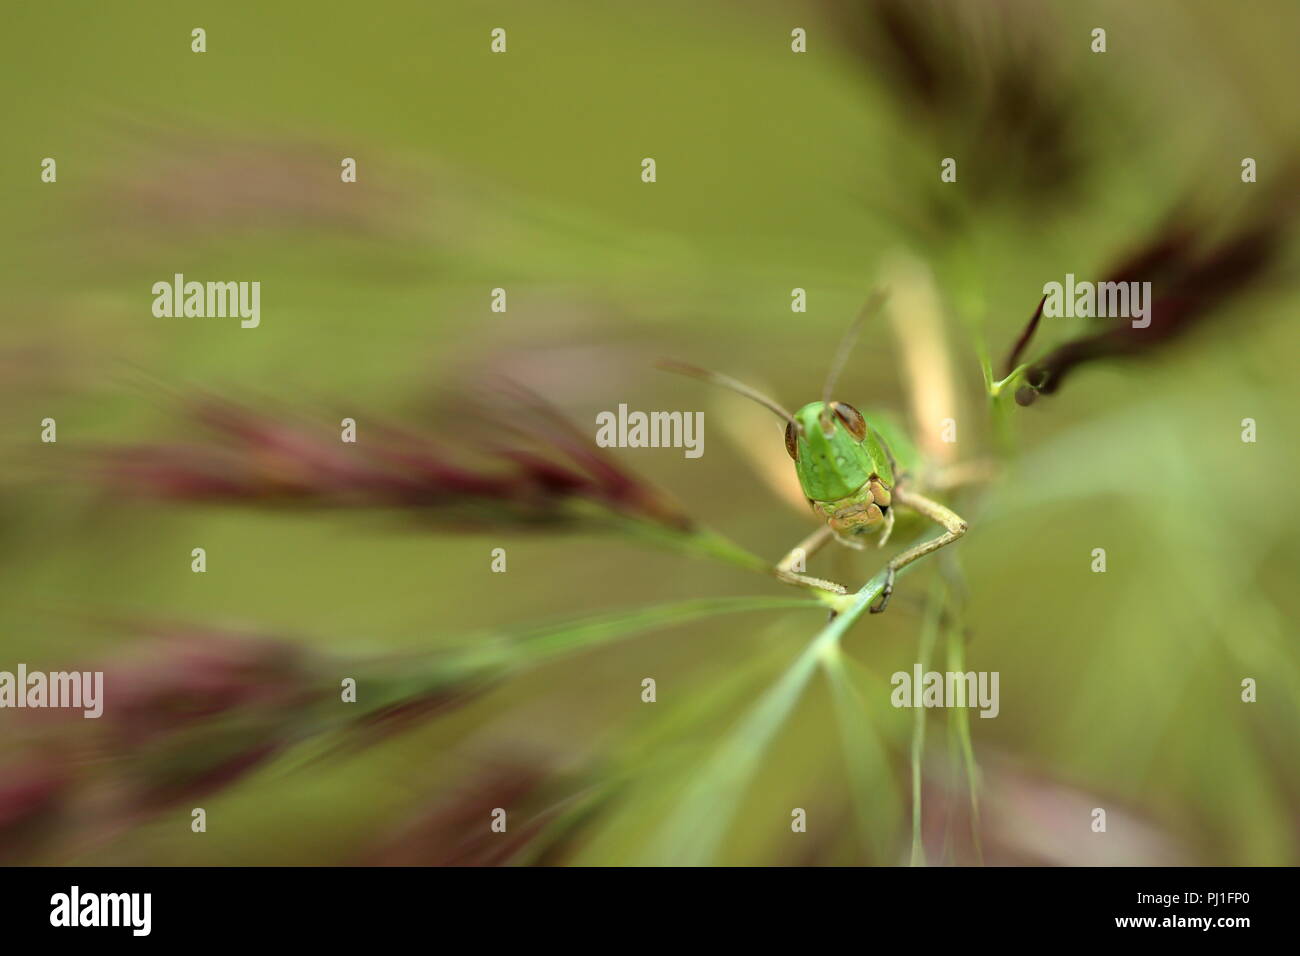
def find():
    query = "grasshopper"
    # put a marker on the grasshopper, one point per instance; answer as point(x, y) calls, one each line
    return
point(848, 473)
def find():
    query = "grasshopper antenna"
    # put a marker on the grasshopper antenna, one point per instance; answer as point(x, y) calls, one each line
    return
point(726, 381)
point(874, 302)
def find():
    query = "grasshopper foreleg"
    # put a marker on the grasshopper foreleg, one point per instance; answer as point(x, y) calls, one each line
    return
point(954, 527)
point(804, 550)
point(887, 530)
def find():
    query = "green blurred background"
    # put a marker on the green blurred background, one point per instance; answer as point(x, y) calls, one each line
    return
point(775, 171)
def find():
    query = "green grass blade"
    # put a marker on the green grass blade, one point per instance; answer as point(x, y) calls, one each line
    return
point(929, 636)
point(692, 834)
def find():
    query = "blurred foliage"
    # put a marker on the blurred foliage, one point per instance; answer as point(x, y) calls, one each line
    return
point(775, 171)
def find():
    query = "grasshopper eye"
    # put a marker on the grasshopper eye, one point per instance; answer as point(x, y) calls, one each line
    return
point(852, 419)
point(792, 442)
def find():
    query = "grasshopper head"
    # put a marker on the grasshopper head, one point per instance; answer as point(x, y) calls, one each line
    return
point(834, 452)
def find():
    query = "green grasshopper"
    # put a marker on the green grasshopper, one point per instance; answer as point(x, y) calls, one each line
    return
point(848, 473)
